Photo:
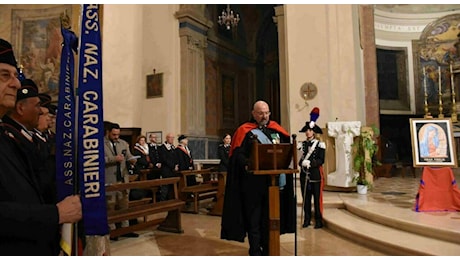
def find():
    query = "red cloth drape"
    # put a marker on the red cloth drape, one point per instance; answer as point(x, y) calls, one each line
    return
point(438, 191)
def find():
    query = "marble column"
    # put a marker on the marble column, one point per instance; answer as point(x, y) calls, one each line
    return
point(280, 22)
point(343, 132)
point(371, 91)
point(193, 28)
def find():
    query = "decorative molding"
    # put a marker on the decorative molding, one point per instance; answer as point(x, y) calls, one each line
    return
point(405, 22)
point(400, 28)
point(194, 42)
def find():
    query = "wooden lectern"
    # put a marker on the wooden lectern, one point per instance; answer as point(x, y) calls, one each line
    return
point(273, 160)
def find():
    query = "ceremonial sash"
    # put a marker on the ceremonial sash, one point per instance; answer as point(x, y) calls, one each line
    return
point(311, 150)
point(261, 136)
point(91, 162)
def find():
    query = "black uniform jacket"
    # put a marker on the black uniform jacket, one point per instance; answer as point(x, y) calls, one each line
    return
point(316, 160)
point(168, 161)
point(28, 226)
point(154, 154)
point(223, 154)
point(184, 160)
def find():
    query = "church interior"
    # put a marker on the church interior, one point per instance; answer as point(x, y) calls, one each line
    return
point(173, 68)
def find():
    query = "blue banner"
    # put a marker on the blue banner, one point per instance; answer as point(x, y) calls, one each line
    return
point(91, 164)
point(65, 118)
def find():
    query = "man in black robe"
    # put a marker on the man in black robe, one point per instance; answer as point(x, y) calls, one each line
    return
point(245, 208)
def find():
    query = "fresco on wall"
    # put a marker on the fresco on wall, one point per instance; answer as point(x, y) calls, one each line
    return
point(36, 35)
point(435, 51)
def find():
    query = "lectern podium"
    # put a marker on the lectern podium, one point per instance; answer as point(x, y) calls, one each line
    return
point(273, 160)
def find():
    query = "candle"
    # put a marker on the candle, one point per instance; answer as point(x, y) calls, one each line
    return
point(424, 81)
point(452, 86)
point(439, 80)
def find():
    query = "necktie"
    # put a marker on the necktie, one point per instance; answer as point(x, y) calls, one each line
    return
point(118, 173)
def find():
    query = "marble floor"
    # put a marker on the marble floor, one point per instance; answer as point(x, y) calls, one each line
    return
point(201, 235)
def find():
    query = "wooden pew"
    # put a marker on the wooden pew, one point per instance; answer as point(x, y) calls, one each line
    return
point(170, 223)
point(203, 190)
point(218, 207)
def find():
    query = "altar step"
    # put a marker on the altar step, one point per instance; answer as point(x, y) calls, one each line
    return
point(392, 230)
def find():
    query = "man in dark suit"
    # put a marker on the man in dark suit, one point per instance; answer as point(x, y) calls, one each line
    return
point(28, 225)
point(154, 157)
point(169, 164)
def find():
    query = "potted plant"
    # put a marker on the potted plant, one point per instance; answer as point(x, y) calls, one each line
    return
point(364, 158)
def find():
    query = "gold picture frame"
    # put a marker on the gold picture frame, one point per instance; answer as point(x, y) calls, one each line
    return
point(154, 85)
point(433, 143)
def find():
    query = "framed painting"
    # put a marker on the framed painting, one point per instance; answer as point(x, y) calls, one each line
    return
point(158, 136)
point(154, 85)
point(433, 142)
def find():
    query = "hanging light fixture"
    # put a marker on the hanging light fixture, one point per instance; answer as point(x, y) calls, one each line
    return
point(228, 19)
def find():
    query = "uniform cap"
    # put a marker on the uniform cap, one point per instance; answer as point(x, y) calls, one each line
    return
point(28, 89)
point(181, 137)
point(6, 53)
point(314, 114)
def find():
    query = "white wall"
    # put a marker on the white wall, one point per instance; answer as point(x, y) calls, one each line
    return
point(136, 40)
point(321, 44)
point(121, 56)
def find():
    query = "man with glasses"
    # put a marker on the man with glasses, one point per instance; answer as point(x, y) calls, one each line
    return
point(28, 225)
point(246, 195)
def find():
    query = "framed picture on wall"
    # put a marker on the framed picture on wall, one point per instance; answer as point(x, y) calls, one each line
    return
point(154, 85)
point(433, 142)
point(158, 136)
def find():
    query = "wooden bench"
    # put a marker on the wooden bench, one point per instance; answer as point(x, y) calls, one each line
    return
point(142, 176)
point(219, 205)
point(203, 190)
point(148, 207)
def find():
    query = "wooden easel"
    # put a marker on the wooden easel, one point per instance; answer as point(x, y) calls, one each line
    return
point(273, 159)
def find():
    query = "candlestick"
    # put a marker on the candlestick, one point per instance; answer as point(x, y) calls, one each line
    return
point(425, 93)
point(439, 80)
point(452, 87)
point(424, 81)
point(441, 115)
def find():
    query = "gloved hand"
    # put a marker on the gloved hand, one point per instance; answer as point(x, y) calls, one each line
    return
point(306, 163)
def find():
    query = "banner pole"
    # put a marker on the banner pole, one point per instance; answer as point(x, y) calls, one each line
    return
point(65, 124)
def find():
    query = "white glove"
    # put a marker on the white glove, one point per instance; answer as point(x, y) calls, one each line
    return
point(306, 163)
